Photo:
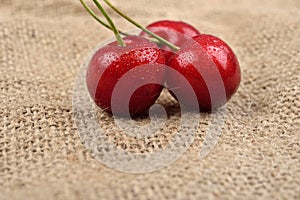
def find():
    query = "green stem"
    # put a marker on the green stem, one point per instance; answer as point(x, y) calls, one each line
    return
point(162, 40)
point(89, 10)
point(112, 25)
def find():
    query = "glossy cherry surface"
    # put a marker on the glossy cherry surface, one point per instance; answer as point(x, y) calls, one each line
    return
point(176, 32)
point(110, 63)
point(205, 61)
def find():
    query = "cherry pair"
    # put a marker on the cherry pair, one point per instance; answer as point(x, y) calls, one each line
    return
point(169, 52)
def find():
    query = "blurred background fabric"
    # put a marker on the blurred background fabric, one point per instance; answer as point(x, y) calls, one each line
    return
point(42, 46)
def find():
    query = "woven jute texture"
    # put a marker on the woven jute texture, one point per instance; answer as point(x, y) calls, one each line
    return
point(42, 46)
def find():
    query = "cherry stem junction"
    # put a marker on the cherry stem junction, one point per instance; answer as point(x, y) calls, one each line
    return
point(160, 39)
point(112, 25)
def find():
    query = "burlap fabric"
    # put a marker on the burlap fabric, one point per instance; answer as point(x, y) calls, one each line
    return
point(43, 44)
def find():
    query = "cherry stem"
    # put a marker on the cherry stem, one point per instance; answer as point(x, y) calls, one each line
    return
point(89, 10)
point(111, 23)
point(162, 40)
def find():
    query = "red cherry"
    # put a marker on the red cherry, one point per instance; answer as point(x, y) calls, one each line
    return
point(176, 32)
point(110, 63)
point(206, 62)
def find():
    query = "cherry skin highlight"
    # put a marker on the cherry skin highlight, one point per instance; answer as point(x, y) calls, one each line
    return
point(205, 62)
point(176, 32)
point(110, 63)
